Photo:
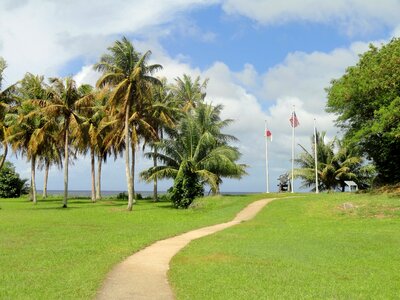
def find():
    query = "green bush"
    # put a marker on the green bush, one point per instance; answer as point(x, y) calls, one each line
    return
point(186, 187)
point(11, 185)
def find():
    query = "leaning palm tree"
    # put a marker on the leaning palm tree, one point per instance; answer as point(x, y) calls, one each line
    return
point(193, 156)
point(130, 75)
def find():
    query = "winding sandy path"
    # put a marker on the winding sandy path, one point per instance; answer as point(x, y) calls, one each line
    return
point(144, 274)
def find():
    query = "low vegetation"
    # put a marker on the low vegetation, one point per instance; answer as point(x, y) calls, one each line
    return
point(326, 246)
point(51, 253)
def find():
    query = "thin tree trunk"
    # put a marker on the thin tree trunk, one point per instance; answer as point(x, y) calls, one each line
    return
point(33, 169)
point(98, 182)
point(3, 158)
point(46, 177)
point(133, 150)
point(127, 165)
point(66, 142)
point(155, 188)
point(92, 168)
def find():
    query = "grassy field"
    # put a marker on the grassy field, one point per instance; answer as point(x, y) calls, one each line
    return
point(51, 253)
point(304, 248)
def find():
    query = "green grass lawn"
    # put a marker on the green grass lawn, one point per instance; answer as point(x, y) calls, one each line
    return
point(51, 253)
point(303, 248)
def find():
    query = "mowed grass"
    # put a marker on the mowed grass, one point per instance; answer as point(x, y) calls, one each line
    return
point(299, 248)
point(47, 252)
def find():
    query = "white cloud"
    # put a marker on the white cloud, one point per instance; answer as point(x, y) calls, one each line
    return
point(353, 16)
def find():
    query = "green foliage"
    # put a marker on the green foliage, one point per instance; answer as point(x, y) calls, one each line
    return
point(367, 104)
point(11, 185)
point(36, 247)
point(337, 162)
point(186, 188)
point(197, 149)
point(302, 248)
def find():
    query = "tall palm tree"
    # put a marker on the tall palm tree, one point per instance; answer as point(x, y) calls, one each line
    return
point(130, 75)
point(188, 92)
point(7, 105)
point(193, 156)
point(164, 115)
point(28, 131)
point(63, 106)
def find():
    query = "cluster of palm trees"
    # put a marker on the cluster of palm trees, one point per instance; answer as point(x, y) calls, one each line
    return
point(50, 122)
point(337, 163)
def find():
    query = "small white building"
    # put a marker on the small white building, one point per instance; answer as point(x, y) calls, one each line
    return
point(353, 187)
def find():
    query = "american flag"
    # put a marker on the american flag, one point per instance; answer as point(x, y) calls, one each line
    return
point(294, 122)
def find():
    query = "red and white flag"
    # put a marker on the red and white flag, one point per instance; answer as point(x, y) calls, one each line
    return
point(294, 122)
point(268, 134)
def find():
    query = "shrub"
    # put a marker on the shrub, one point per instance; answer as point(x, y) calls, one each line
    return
point(11, 185)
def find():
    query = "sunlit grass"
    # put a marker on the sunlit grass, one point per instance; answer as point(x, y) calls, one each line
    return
point(304, 248)
point(47, 252)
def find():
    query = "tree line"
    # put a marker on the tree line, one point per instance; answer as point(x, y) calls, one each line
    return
point(52, 121)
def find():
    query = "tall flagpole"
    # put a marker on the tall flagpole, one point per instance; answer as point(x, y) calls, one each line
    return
point(316, 158)
point(266, 156)
point(293, 126)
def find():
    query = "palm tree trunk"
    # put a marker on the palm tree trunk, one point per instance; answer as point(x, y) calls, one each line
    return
point(46, 177)
point(3, 158)
point(33, 187)
point(66, 142)
point(133, 163)
point(92, 168)
point(98, 182)
point(155, 188)
point(127, 169)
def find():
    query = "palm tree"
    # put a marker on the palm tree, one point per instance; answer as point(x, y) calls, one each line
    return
point(188, 92)
point(194, 155)
point(28, 132)
point(63, 106)
point(333, 168)
point(7, 105)
point(130, 75)
point(165, 113)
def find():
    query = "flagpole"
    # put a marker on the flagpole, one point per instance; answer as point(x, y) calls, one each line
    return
point(316, 157)
point(293, 127)
point(266, 156)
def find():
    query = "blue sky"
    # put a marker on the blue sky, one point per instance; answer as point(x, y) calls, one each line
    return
point(261, 57)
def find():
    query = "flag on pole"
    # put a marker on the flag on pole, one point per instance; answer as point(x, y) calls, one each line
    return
point(294, 122)
point(268, 134)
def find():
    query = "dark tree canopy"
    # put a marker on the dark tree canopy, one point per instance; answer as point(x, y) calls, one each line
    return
point(366, 100)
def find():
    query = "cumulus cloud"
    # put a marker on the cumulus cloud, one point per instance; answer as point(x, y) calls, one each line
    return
point(354, 16)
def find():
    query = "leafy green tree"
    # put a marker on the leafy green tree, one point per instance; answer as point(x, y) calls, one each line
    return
point(366, 101)
point(11, 185)
point(195, 154)
point(130, 75)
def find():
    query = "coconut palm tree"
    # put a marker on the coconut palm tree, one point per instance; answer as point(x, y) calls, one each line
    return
point(29, 132)
point(193, 156)
point(7, 105)
point(188, 92)
point(63, 106)
point(165, 112)
point(130, 75)
point(333, 167)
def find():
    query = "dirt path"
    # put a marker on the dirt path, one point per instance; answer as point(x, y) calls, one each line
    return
point(144, 274)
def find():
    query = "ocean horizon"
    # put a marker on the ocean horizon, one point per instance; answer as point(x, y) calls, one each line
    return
point(87, 193)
